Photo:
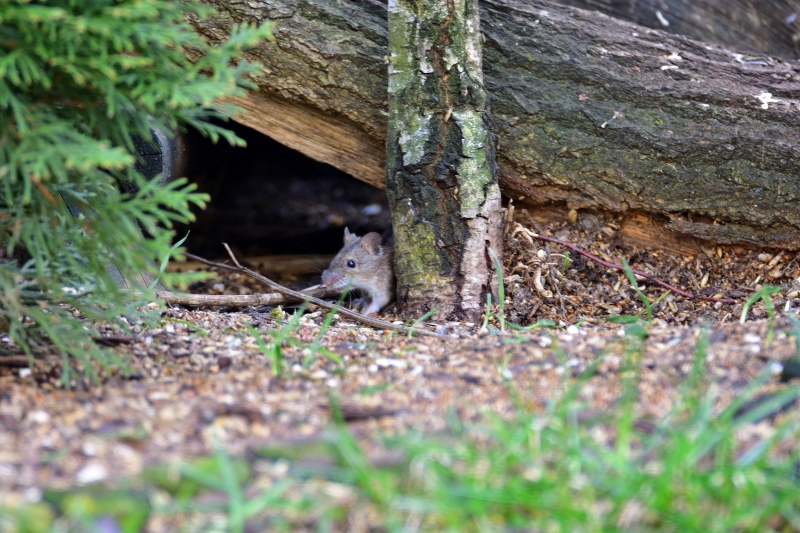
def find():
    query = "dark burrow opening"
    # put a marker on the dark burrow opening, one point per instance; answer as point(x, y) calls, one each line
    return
point(267, 199)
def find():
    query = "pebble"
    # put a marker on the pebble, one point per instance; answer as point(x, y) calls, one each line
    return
point(232, 341)
point(92, 473)
point(39, 417)
point(32, 494)
point(89, 449)
point(386, 362)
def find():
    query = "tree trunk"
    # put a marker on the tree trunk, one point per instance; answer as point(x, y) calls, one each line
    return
point(590, 112)
point(440, 175)
point(766, 27)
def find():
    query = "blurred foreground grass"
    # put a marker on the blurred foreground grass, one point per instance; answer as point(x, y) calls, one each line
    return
point(552, 471)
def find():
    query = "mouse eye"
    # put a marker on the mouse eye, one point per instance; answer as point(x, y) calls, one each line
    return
point(351, 264)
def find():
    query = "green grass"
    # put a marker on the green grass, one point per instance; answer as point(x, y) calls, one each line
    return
point(548, 472)
point(560, 470)
point(764, 294)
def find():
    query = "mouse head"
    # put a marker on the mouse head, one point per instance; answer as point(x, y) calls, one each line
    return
point(357, 260)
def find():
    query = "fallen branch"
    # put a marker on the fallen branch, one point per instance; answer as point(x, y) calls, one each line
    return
point(18, 361)
point(640, 273)
point(240, 300)
point(277, 287)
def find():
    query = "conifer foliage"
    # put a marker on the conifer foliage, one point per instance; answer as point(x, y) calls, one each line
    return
point(79, 79)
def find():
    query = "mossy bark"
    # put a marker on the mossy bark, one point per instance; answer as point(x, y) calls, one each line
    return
point(746, 25)
point(440, 173)
point(590, 112)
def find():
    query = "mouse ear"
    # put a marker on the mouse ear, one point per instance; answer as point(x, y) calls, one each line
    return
point(371, 242)
point(348, 237)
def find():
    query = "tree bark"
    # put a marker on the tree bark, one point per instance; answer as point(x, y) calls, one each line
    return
point(765, 27)
point(441, 175)
point(590, 112)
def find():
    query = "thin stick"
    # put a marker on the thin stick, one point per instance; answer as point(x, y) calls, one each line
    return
point(277, 287)
point(238, 300)
point(606, 264)
point(230, 254)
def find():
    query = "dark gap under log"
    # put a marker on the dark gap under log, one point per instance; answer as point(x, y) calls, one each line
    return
point(267, 199)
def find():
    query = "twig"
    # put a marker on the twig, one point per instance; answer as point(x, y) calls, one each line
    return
point(230, 254)
point(239, 300)
point(606, 264)
point(113, 340)
point(372, 322)
point(18, 361)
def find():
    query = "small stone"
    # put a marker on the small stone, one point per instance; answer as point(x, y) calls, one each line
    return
point(92, 473)
point(39, 417)
point(32, 494)
point(89, 449)
point(386, 362)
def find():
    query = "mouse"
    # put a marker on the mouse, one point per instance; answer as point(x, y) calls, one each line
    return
point(367, 265)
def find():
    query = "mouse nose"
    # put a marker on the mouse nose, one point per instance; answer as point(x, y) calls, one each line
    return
point(329, 279)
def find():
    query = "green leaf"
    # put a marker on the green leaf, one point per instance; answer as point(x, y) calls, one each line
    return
point(165, 262)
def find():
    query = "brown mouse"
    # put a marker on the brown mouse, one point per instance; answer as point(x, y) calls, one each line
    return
point(366, 264)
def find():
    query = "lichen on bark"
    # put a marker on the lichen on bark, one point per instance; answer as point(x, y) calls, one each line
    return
point(440, 176)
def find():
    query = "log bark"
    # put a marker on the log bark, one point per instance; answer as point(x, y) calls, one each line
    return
point(765, 27)
point(441, 175)
point(590, 112)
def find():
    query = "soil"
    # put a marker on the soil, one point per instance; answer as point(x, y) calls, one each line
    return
point(201, 377)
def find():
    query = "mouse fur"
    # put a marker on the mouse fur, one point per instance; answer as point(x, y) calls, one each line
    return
point(367, 264)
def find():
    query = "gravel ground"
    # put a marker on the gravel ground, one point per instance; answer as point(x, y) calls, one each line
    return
point(202, 377)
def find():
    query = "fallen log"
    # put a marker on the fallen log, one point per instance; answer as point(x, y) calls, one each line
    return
point(590, 112)
point(745, 25)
